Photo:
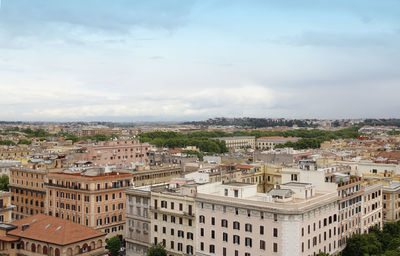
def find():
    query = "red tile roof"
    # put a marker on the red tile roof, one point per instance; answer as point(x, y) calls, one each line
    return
point(53, 230)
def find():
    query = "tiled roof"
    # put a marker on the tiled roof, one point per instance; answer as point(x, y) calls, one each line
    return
point(53, 230)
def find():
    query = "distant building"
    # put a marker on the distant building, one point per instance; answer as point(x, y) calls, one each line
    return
point(120, 153)
point(6, 165)
point(46, 235)
point(391, 202)
point(269, 143)
point(239, 142)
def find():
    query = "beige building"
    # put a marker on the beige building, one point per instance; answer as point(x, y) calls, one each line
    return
point(5, 207)
point(138, 221)
point(239, 142)
point(234, 219)
point(269, 143)
point(173, 221)
point(372, 207)
point(391, 202)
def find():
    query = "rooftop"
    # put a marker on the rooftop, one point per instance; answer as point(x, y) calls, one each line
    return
point(53, 230)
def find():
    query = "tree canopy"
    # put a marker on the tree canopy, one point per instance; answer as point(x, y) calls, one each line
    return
point(157, 250)
point(4, 182)
point(377, 242)
point(114, 245)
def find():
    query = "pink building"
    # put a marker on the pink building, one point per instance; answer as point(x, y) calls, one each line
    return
point(233, 219)
point(121, 153)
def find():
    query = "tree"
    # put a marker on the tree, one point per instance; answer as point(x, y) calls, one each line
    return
point(4, 182)
point(157, 250)
point(24, 141)
point(323, 254)
point(114, 245)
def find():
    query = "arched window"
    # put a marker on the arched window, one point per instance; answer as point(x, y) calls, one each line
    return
point(33, 248)
point(57, 253)
point(45, 249)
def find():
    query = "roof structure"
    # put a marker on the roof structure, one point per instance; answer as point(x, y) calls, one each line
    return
point(53, 230)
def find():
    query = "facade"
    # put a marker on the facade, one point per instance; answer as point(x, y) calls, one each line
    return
point(372, 207)
point(173, 221)
point(5, 207)
point(138, 221)
point(6, 165)
point(46, 235)
point(350, 209)
point(93, 198)
point(27, 190)
point(391, 202)
point(121, 153)
point(269, 143)
point(233, 219)
point(157, 175)
point(239, 142)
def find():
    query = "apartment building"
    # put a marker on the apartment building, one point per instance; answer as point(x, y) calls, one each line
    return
point(351, 193)
point(234, 219)
point(372, 207)
point(138, 220)
point(93, 197)
point(391, 202)
point(121, 153)
point(28, 193)
point(173, 221)
point(5, 207)
point(239, 142)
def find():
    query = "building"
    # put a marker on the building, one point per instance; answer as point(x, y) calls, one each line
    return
point(6, 207)
point(27, 190)
point(121, 153)
point(391, 202)
point(6, 165)
point(173, 221)
point(138, 220)
point(372, 207)
point(234, 219)
point(46, 235)
point(239, 142)
point(269, 143)
point(93, 197)
point(156, 175)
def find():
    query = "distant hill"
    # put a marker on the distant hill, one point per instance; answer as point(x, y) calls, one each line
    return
point(255, 122)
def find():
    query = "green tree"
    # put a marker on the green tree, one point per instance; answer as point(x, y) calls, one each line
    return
point(157, 250)
point(114, 245)
point(323, 254)
point(24, 141)
point(4, 182)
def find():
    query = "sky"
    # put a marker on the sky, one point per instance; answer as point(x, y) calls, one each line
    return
point(175, 60)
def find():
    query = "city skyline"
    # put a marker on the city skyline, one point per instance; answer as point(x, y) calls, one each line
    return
point(192, 60)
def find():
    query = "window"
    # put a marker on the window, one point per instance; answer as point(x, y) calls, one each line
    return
point(236, 239)
point(248, 242)
point(202, 219)
point(261, 230)
point(225, 237)
point(275, 232)
point(224, 223)
point(213, 221)
point(248, 227)
point(212, 234)
point(262, 245)
point(212, 248)
point(275, 247)
point(236, 225)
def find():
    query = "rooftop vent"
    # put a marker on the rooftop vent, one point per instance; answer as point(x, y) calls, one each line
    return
point(58, 228)
point(25, 226)
point(47, 226)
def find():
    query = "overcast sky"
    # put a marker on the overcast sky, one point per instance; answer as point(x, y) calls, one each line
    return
point(188, 60)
